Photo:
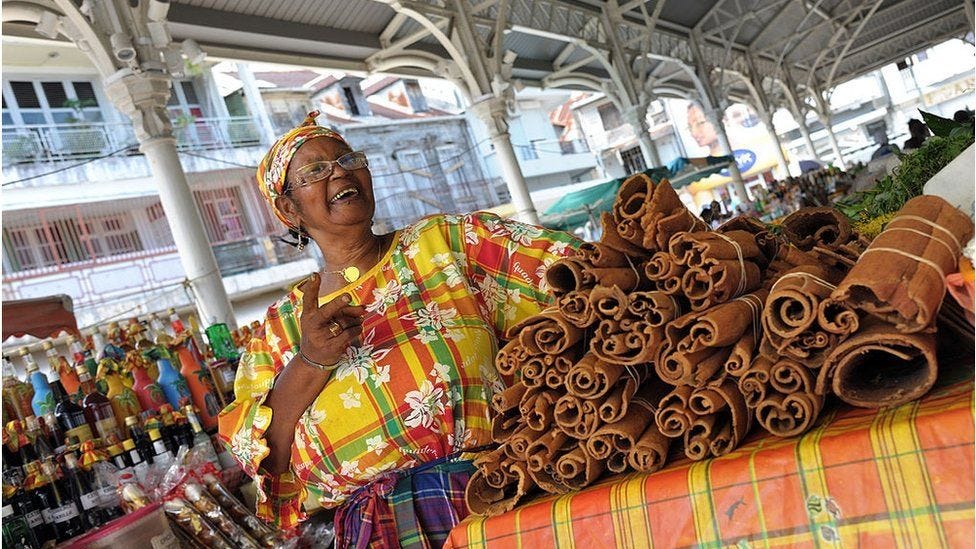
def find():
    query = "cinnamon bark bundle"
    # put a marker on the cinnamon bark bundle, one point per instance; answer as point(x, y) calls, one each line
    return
point(699, 344)
point(577, 308)
point(630, 206)
point(665, 272)
point(666, 216)
point(712, 420)
point(568, 274)
point(484, 499)
point(548, 333)
point(720, 266)
point(591, 377)
point(613, 239)
point(599, 254)
point(783, 394)
point(900, 278)
point(791, 319)
point(824, 227)
point(880, 366)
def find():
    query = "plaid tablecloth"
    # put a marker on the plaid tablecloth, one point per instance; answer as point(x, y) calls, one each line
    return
point(900, 477)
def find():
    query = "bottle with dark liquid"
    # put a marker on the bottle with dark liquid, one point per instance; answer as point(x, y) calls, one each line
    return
point(83, 493)
point(37, 491)
point(53, 432)
point(70, 416)
point(140, 439)
point(98, 408)
point(64, 511)
point(16, 533)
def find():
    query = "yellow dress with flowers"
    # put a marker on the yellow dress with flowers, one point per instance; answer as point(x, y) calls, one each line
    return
point(416, 388)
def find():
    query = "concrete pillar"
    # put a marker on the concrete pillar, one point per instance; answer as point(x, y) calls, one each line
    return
point(767, 120)
point(839, 162)
point(255, 104)
point(805, 132)
point(142, 96)
point(494, 113)
point(636, 117)
point(714, 116)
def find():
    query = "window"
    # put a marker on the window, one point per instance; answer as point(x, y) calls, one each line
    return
point(222, 214)
point(53, 102)
point(85, 93)
point(610, 116)
point(18, 248)
point(633, 160)
point(350, 100)
point(25, 95)
point(55, 94)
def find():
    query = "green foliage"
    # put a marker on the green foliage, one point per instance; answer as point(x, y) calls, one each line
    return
point(890, 193)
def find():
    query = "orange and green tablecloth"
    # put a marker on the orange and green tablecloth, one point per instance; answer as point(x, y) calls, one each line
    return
point(899, 477)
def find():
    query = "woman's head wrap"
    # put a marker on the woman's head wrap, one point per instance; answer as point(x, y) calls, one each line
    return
point(274, 165)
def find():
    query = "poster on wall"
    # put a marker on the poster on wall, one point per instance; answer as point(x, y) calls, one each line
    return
point(752, 147)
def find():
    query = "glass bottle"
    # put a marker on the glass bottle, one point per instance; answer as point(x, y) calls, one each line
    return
point(140, 439)
point(36, 488)
point(53, 432)
point(103, 479)
point(175, 322)
point(161, 454)
point(56, 362)
point(140, 342)
point(64, 511)
point(130, 456)
point(201, 440)
point(17, 394)
point(16, 533)
point(169, 430)
point(34, 443)
point(149, 393)
point(84, 494)
point(25, 505)
point(172, 383)
point(124, 401)
point(98, 409)
point(43, 400)
point(200, 383)
point(70, 416)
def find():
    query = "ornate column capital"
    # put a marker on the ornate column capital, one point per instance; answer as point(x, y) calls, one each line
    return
point(142, 97)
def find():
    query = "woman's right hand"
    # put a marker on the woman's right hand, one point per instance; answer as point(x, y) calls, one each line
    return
point(321, 340)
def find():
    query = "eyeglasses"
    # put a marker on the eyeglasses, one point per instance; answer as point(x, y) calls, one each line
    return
point(316, 172)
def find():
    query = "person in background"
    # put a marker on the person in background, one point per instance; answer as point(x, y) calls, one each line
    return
point(963, 116)
point(919, 133)
point(372, 383)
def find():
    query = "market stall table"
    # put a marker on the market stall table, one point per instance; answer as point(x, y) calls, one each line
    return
point(891, 477)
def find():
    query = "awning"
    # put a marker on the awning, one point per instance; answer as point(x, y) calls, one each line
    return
point(41, 317)
point(575, 209)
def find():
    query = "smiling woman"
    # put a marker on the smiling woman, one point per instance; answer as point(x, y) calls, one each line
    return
point(374, 375)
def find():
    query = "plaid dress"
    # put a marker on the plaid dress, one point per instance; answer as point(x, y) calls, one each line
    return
point(411, 394)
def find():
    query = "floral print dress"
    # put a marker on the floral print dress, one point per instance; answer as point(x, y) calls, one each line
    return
point(417, 386)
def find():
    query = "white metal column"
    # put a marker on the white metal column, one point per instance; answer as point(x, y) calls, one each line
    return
point(636, 117)
point(255, 104)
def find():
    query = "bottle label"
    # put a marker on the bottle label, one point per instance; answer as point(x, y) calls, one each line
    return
point(35, 519)
point(106, 427)
point(134, 455)
point(228, 376)
point(46, 515)
point(65, 513)
point(89, 500)
point(107, 496)
point(82, 432)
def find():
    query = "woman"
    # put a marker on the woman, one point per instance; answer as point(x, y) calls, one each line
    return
point(374, 374)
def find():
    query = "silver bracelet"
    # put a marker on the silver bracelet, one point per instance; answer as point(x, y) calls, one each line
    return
point(319, 365)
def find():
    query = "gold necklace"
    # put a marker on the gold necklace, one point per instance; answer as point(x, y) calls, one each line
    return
point(351, 273)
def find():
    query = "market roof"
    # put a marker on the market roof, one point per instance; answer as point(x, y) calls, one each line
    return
point(563, 43)
point(822, 42)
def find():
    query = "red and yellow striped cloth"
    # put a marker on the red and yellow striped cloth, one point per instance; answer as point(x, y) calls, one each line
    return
point(900, 477)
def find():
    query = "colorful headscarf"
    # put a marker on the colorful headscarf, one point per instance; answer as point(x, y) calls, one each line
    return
point(274, 165)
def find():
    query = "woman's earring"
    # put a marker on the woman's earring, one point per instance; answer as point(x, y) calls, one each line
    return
point(302, 238)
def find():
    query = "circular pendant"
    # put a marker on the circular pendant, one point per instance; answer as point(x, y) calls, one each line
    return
point(351, 274)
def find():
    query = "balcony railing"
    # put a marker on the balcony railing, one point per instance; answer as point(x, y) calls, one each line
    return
point(542, 149)
point(56, 142)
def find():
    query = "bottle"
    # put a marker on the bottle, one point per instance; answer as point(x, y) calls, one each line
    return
point(64, 511)
point(53, 432)
point(124, 401)
point(56, 362)
point(13, 464)
point(37, 490)
point(162, 455)
point(43, 400)
point(130, 455)
point(17, 394)
point(201, 440)
point(169, 430)
point(140, 439)
point(70, 416)
point(183, 427)
point(173, 383)
point(140, 343)
point(98, 409)
point(221, 342)
point(102, 476)
point(84, 494)
point(16, 533)
point(149, 393)
point(200, 383)
point(34, 443)
point(26, 506)
point(175, 322)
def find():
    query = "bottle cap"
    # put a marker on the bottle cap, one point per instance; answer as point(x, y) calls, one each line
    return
point(171, 311)
point(127, 444)
point(115, 449)
point(47, 345)
point(131, 421)
point(82, 371)
point(155, 435)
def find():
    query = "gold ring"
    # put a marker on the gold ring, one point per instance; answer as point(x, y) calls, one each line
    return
point(335, 328)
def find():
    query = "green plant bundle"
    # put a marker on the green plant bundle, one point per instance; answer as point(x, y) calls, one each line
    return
point(889, 194)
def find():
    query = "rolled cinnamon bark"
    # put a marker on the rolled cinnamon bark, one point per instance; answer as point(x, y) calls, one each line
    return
point(511, 357)
point(656, 307)
point(665, 216)
point(742, 223)
point(837, 317)
point(534, 371)
point(578, 469)
point(509, 398)
point(490, 463)
point(695, 249)
point(518, 444)
point(617, 462)
point(538, 414)
point(626, 278)
point(633, 197)
point(485, 500)
point(591, 377)
point(754, 384)
point(547, 448)
point(880, 366)
point(568, 274)
point(790, 405)
point(673, 417)
point(733, 419)
point(577, 308)
point(627, 342)
point(665, 272)
point(808, 227)
point(650, 451)
point(577, 417)
point(549, 333)
point(742, 354)
point(503, 426)
point(611, 238)
point(900, 278)
point(791, 318)
point(599, 254)
point(609, 303)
